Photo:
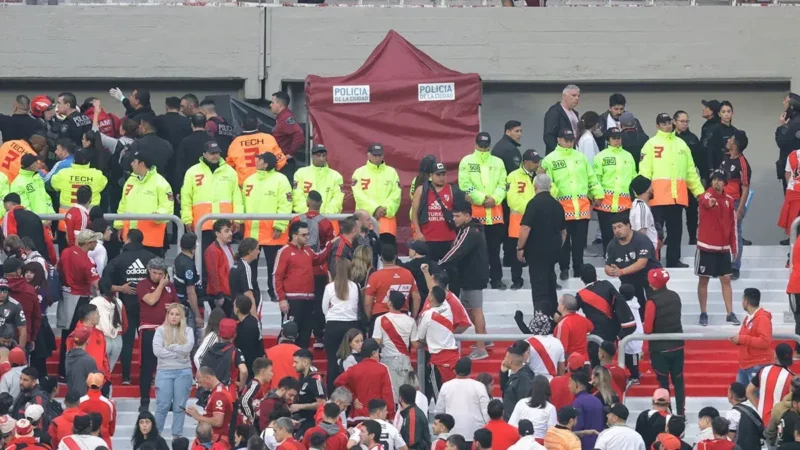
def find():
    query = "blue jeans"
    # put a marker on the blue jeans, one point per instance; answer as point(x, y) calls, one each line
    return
point(737, 263)
point(198, 333)
point(172, 388)
point(745, 375)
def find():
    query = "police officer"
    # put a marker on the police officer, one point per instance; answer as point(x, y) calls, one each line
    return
point(376, 189)
point(209, 187)
point(287, 132)
point(615, 169)
point(321, 178)
point(217, 126)
point(700, 157)
point(520, 192)
point(267, 192)
point(507, 149)
point(75, 123)
point(482, 177)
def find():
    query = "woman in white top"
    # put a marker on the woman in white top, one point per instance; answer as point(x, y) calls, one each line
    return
point(172, 345)
point(536, 408)
point(588, 130)
point(210, 336)
point(340, 307)
point(112, 320)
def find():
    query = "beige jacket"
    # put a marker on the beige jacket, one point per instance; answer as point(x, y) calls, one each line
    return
point(106, 311)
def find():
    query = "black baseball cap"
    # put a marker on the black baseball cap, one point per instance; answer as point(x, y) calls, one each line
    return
point(720, 175)
point(319, 148)
point(289, 329)
point(663, 118)
point(614, 133)
point(439, 168)
point(483, 139)
point(619, 410)
point(531, 155)
point(567, 413)
point(713, 105)
point(567, 133)
point(375, 149)
point(419, 246)
point(211, 147)
point(27, 160)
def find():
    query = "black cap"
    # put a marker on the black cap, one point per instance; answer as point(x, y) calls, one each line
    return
point(720, 175)
point(315, 196)
point(663, 118)
point(567, 413)
point(319, 148)
point(531, 155)
point(567, 133)
point(619, 410)
point(27, 160)
point(82, 156)
point(439, 168)
point(614, 133)
point(525, 427)
point(784, 354)
point(375, 149)
point(713, 105)
point(483, 139)
point(741, 139)
point(211, 147)
point(419, 246)
point(289, 329)
point(640, 184)
point(141, 156)
point(463, 366)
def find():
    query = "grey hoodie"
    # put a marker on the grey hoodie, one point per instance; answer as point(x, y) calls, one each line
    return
point(79, 365)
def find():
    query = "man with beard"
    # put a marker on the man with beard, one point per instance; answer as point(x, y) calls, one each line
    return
point(30, 393)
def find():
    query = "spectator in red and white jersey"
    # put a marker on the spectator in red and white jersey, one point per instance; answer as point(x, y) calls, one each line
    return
point(390, 278)
point(95, 402)
point(367, 380)
point(572, 328)
point(77, 217)
point(436, 330)
point(772, 383)
point(791, 201)
point(397, 334)
point(461, 321)
point(546, 354)
point(442, 424)
point(754, 338)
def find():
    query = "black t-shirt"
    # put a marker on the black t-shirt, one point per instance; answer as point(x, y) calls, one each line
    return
point(544, 215)
point(626, 255)
point(243, 278)
point(11, 313)
point(786, 427)
point(248, 341)
point(310, 391)
point(185, 275)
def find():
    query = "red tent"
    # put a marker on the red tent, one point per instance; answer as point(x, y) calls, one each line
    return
point(400, 98)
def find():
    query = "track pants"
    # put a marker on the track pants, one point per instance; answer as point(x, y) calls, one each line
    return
point(670, 217)
point(669, 365)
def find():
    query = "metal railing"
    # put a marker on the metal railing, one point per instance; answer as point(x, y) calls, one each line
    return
point(198, 226)
point(690, 337)
point(479, 337)
point(397, 3)
point(112, 217)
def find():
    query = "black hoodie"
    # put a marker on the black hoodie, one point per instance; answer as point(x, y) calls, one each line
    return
point(129, 267)
point(469, 257)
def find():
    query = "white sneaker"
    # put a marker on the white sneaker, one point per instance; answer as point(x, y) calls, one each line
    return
point(318, 346)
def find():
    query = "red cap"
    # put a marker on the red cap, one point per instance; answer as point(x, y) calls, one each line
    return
point(658, 278)
point(17, 357)
point(668, 441)
point(575, 361)
point(81, 335)
point(227, 329)
point(23, 428)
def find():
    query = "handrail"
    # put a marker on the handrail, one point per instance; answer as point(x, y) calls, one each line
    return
point(479, 337)
point(689, 337)
point(198, 226)
point(112, 217)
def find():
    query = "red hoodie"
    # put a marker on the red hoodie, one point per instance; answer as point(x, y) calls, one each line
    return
point(61, 426)
point(755, 337)
point(95, 402)
point(107, 122)
point(717, 230)
point(367, 380)
point(25, 294)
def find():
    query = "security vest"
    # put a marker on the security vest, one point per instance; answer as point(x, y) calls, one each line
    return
point(574, 182)
point(375, 186)
point(29, 186)
point(328, 182)
point(615, 169)
point(68, 180)
point(245, 149)
point(267, 192)
point(667, 162)
point(151, 194)
point(519, 184)
point(10, 157)
point(4, 189)
point(481, 174)
point(205, 192)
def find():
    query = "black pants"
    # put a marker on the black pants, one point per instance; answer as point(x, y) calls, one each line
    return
point(670, 217)
point(302, 313)
point(509, 253)
point(495, 235)
point(334, 334)
point(574, 245)
point(270, 251)
point(128, 339)
point(669, 365)
point(158, 251)
point(510, 248)
point(439, 248)
point(149, 363)
point(794, 299)
point(604, 220)
point(541, 269)
point(62, 368)
point(632, 364)
point(320, 281)
point(692, 216)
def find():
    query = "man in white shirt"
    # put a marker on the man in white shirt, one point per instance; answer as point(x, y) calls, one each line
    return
point(641, 217)
point(390, 437)
point(465, 399)
point(618, 436)
point(547, 351)
point(705, 416)
point(436, 330)
point(396, 332)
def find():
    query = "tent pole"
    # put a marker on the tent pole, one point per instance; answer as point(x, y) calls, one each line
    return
point(309, 139)
point(480, 118)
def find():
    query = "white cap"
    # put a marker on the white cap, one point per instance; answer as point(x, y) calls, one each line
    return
point(34, 412)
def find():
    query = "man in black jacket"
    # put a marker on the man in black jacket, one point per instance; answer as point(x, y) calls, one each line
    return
point(158, 150)
point(172, 126)
point(787, 135)
point(125, 272)
point(20, 124)
point(561, 116)
point(137, 106)
point(507, 148)
point(191, 148)
point(516, 378)
point(75, 123)
point(633, 137)
point(681, 121)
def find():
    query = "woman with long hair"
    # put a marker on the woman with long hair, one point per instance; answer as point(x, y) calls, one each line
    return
point(588, 130)
point(349, 353)
point(536, 408)
point(487, 381)
point(146, 432)
point(362, 265)
point(340, 307)
point(172, 345)
point(602, 382)
point(113, 320)
point(210, 336)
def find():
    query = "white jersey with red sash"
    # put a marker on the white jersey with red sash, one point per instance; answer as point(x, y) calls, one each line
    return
point(546, 353)
point(460, 316)
point(436, 329)
point(396, 332)
point(774, 382)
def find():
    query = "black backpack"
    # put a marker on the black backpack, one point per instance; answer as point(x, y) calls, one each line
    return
point(751, 428)
point(222, 360)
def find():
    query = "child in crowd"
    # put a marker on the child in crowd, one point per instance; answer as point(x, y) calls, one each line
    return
point(633, 349)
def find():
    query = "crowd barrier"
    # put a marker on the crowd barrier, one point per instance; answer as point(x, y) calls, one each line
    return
point(399, 3)
point(112, 217)
point(198, 227)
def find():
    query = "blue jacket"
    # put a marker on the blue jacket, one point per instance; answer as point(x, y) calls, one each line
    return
point(59, 166)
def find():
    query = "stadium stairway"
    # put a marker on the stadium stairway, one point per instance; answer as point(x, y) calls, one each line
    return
point(710, 365)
